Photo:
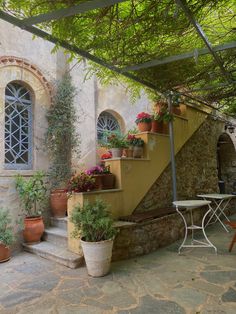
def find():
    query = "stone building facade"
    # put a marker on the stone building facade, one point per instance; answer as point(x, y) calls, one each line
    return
point(28, 72)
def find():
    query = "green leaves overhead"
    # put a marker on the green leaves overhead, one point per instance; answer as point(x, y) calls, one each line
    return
point(136, 31)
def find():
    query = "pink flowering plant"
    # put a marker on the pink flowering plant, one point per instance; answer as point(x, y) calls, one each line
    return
point(94, 170)
point(143, 117)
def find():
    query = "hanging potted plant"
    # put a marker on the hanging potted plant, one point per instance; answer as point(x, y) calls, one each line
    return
point(61, 141)
point(32, 193)
point(6, 235)
point(144, 122)
point(94, 226)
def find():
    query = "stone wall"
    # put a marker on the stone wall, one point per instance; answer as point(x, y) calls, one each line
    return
point(138, 239)
point(196, 169)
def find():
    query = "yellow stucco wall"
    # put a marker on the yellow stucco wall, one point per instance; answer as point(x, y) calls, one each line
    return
point(134, 177)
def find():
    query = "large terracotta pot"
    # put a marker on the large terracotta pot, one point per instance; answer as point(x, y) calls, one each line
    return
point(33, 229)
point(144, 126)
point(58, 202)
point(108, 181)
point(4, 253)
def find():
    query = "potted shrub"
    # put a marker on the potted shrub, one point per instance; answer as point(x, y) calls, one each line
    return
point(81, 182)
point(6, 235)
point(144, 122)
point(94, 225)
point(32, 193)
point(61, 141)
point(116, 143)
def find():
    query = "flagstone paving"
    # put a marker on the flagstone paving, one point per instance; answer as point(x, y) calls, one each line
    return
point(196, 282)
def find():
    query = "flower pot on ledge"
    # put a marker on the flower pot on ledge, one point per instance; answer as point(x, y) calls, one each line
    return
point(116, 152)
point(144, 126)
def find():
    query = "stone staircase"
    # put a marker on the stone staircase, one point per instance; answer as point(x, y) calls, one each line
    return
point(55, 245)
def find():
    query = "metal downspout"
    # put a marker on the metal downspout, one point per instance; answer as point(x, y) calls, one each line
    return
point(172, 149)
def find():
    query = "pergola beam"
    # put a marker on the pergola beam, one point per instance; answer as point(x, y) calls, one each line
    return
point(202, 35)
point(77, 9)
point(183, 56)
point(40, 33)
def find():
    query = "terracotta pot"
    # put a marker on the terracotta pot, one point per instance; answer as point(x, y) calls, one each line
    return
point(176, 110)
point(4, 253)
point(144, 126)
point(58, 202)
point(98, 181)
point(108, 181)
point(33, 229)
point(157, 127)
point(138, 152)
point(160, 106)
point(130, 152)
point(165, 127)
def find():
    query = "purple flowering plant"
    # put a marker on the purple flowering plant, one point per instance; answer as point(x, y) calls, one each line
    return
point(94, 170)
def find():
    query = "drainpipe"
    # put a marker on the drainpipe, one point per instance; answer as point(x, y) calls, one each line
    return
point(172, 149)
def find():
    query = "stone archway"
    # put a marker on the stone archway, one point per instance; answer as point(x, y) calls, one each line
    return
point(226, 157)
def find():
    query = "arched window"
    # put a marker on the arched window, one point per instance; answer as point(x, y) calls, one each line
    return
point(106, 122)
point(18, 127)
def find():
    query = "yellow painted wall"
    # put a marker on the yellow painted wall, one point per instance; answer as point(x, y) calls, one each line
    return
point(134, 177)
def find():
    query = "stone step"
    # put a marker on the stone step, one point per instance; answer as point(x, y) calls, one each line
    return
point(57, 254)
point(59, 222)
point(56, 236)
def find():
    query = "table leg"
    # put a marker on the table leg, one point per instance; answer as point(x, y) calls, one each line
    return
point(203, 229)
point(186, 230)
point(214, 213)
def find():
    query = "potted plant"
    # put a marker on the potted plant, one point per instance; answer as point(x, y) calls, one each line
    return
point(81, 182)
point(96, 172)
point(108, 178)
point(6, 235)
point(138, 144)
point(144, 122)
point(61, 141)
point(116, 143)
point(32, 193)
point(94, 225)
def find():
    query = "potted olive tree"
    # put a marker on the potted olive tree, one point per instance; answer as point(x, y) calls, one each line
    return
point(94, 225)
point(6, 235)
point(32, 193)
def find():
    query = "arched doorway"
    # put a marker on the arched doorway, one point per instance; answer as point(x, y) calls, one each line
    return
point(226, 163)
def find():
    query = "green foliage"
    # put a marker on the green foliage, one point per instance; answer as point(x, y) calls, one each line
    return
point(81, 182)
point(115, 139)
point(93, 222)
point(61, 137)
point(32, 193)
point(6, 229)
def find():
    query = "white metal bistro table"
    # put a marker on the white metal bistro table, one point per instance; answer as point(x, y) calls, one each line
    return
point(190, 205)
point(218, 206)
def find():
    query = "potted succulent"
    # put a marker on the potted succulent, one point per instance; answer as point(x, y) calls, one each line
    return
point(94, 226)
point(32, 193)
point(81, 182)
point(6, 235)
point(116, 143)
point(144, 122)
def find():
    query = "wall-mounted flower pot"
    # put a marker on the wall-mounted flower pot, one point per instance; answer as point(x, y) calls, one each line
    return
point(58, 202)
point(33, 229)
point(144, 126)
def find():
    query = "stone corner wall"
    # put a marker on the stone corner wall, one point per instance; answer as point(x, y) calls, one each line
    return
point(196, 169)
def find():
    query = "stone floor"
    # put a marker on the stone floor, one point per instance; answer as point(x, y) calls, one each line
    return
point(197, 281)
